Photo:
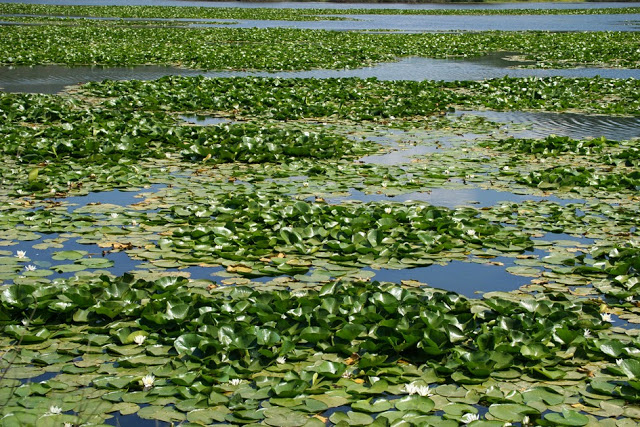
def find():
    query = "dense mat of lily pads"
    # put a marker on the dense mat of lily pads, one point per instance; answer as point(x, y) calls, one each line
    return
point(194, 352)
point(294, 49)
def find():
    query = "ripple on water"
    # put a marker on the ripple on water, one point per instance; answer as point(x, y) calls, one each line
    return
point(577, 126)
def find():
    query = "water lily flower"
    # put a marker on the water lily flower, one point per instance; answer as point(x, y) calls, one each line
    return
point(447, 172)
point(113, 215)
point(21, 254)
point(30, 267)
point(305, 184)
point(134, 222)
point(54, 410)
point(606, 317)
point(139, 339)
point(347, 374)
point(387, 210)
point(619, 362)
point(471, 232)
point(147, 381)
point(281, 360)
point(235, 381)
point(421, 390)
point(525, 420)
point(629, 298)
point(468, 418)
point(506, 168)
point(587, 333)
point(384, 185)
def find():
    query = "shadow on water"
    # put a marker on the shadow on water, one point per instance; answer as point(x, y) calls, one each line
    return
point(451, 198)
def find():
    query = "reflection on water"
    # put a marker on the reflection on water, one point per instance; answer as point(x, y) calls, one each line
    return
point(577, 126)
point(114, 197)
point(451, 198)
point(54, 78)
point(465, 278)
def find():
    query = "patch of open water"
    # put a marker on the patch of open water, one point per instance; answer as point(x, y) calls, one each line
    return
point(115, 197)
point(451, 198)
point(332, 5)
point(55, 78)
point(577, 126)
point(466, 278)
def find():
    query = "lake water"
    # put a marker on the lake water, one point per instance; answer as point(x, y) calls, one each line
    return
point(326, 5)
point(54, 78)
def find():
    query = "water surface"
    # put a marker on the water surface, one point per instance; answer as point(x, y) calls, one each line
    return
point(55, 78)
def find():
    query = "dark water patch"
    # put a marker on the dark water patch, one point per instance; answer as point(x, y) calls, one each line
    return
point(133, 420)
point(469, 279)
point(55, 78)
point(577, 126)
point(43, 377)
point(450, 198)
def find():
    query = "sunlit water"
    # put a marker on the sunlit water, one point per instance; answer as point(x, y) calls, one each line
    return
point(451, 198)
point(55, 78)
point(577, 126)
point(331, 5)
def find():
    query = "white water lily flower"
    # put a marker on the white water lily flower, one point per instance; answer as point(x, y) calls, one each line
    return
point(235, 381)
point(21, 254)
point(30, 267)
point(619, 362)
point(525, 420)
point(384, 185)
point(629, 298)
point(387, 210)
point(606, 317)
point(506, 168)
point(134, 222)
point(471, 232)
point(305, 184)
point(447, 171)
point(420, 390)
point(55, 410)
point(347, 374)
point(587, 333)
point(148, 380)
point(139, 339)
point(281, 360)
point(468, 418)
point(114, 215)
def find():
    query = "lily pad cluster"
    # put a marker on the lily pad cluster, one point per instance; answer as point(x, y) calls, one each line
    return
point(235, 354)
point(268, 236)
point(273, 49)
